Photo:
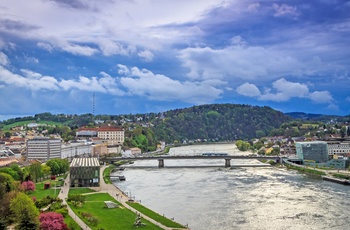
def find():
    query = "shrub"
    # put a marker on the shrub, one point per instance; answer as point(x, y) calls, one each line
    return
point(28, 185)
point(52, 221)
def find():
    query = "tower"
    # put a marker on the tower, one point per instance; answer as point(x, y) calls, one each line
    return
point(93, 104)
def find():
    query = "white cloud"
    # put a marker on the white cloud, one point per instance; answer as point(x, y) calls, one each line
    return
point(321, 97)
point(238, 61)
point(146, 55)
point(45, 46)
point(283, 90)
point(283, 9)
point(4, 59)
point(143, 82)
point(33, 82)
point(249, 90)
point(109, 47)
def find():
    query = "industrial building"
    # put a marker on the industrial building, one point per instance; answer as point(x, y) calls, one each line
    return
point(43, 149)
point(316, 151)
point(85, 172)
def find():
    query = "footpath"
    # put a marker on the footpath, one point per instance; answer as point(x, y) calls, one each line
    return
point(64, 195)
point(113, 192)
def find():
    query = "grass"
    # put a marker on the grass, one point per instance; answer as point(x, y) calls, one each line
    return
point(72, 225)
point(22, 123)
point(155, 216)
point(106, 174)
point(40, 192)
point(116, 218)
point(307, 170)
point(76, 191)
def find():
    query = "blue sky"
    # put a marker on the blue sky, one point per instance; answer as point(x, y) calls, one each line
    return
point(144, 56)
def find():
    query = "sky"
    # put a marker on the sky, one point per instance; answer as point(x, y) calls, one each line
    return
point(139, 56)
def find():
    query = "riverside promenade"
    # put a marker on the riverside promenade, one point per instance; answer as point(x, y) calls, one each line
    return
point(113, 192)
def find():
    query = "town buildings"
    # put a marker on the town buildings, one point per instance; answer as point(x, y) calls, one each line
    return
point(107, 139)
point(43, 148)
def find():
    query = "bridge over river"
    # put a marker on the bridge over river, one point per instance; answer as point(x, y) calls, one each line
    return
point(162, 158)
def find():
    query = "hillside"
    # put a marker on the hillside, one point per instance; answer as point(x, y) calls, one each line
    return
point(218, 122)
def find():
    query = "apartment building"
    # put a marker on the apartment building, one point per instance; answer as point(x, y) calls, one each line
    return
point(113, 135)
point(43, 149)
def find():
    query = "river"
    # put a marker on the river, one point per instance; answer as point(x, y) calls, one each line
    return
point(213, 198)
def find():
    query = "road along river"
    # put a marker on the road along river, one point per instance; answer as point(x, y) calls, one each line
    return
point(211, 198)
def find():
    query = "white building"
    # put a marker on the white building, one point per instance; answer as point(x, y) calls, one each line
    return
point(43, 149)
point(113, 135)
point(338, 149)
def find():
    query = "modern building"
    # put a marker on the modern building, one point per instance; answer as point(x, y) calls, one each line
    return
point(43, 149)
point(316, 151)
point(84, 172)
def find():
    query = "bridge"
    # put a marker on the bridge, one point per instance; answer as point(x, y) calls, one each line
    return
point(162, 158)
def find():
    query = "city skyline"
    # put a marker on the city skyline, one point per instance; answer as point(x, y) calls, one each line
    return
point(153, 56)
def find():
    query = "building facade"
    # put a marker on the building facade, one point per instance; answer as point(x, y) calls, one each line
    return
point(113, 135)
point(339, 149)
point(316, 151)
point(43, 149)
point(84, 172)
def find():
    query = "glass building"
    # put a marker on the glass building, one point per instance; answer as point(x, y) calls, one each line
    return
point(316, 151)
point(84, 172)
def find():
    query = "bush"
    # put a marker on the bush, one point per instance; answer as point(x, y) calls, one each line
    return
point(52, 221)
point(28, 185)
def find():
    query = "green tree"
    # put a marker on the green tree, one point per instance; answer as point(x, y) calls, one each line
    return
point(6, 184)
point(46, 170)
point(54, 166)
point(35, 171)
point(26, 213)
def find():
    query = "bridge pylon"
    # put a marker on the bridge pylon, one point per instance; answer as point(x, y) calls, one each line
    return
point(160, 163)
point(227, 163)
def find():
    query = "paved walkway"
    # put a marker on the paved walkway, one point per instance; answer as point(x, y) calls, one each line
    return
point(64, 195)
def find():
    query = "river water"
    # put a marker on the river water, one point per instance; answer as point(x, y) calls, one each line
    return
point(215, 197)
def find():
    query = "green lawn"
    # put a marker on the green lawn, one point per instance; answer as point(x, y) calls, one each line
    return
point(21, 123)
point(72, 225)
point(75, 191)
point(117, 218)
point(40, 192)
point(155, 216)
point(106, 174)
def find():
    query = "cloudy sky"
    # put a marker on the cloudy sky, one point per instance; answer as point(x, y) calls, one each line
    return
point(139, 56)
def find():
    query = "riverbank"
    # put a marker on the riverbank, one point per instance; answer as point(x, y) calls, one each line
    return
point(128, 202)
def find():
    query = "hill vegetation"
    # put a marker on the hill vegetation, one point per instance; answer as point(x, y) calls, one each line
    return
point(213, 122)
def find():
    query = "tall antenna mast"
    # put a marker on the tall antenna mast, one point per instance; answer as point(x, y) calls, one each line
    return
point(93, 104)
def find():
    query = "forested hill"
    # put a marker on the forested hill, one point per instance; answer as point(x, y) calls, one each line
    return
point(218, 122)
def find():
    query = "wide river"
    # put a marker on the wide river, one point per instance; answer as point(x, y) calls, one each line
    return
point(212, 198)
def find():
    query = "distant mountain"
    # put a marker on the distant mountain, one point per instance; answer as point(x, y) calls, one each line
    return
point(314, 117)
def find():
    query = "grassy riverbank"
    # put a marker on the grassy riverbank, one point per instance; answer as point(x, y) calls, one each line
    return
point(108, 218)
point(307, 170)
point(107, 173)
point(155, 216)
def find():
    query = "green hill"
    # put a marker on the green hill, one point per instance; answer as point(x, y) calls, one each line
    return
point(218, 122)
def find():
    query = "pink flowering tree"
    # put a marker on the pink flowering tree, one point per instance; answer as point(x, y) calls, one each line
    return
point(52, 221)
point(28, 185)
